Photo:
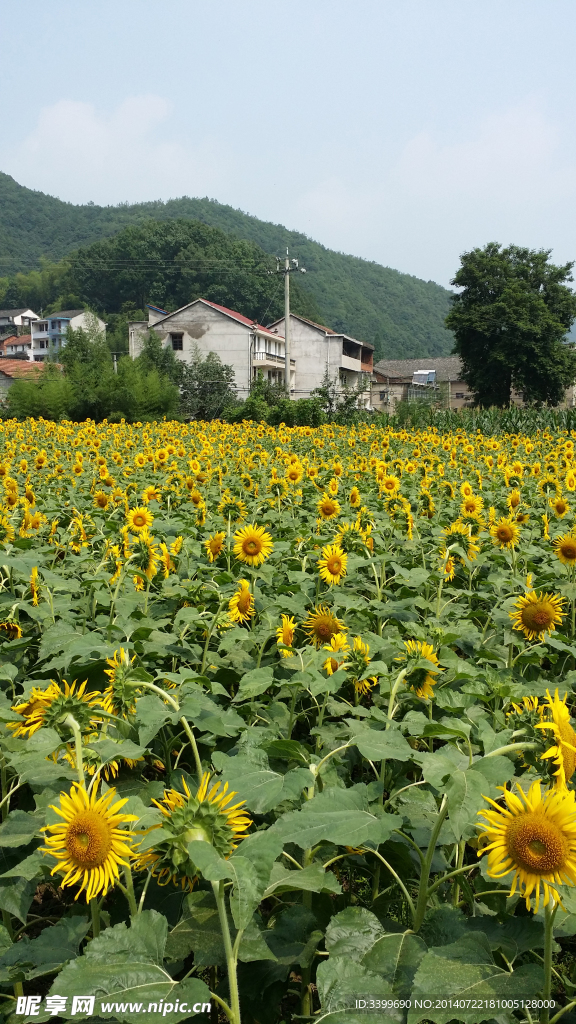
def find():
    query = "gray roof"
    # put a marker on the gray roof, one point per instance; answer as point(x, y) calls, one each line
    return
point(64, 314)
point(447, 367)
point(15, 312)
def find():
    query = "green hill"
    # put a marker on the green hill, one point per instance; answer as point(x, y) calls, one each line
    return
point(400, 314)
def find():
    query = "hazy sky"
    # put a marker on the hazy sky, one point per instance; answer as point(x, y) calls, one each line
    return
point(405, 132)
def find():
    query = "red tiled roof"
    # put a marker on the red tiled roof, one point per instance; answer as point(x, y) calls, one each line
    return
point(238, 316)
point(19, 367)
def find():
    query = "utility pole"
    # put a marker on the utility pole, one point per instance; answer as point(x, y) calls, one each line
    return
point(287, 270)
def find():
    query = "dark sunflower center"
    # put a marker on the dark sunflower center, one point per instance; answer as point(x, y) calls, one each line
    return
point(537, 616)
point(569, 551)
point(504, 533)
point(251, 547)
point(334, 565)
point(139, 520)
point(536, 844)
point(323, 630)
point(88, 839)
point(244, 601)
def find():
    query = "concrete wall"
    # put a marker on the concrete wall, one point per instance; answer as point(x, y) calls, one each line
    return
point(314, 351)
point(210, 331)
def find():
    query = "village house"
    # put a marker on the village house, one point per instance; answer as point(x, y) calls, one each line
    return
point(434, 379)
point(49, 333)
point(16, 369)
point(205, 327)
point(16, 321)
point(317, 349)
point(16, 346)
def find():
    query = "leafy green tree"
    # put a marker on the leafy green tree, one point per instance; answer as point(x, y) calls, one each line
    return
point(50, 395)
point(207, 386)
point(156, 356)
point(510, 322)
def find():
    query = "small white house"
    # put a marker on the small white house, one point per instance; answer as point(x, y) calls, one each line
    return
point(238, 341)
point(49, 334)
point(11, 319)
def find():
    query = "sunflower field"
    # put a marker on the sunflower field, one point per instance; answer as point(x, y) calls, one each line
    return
point(285, 724)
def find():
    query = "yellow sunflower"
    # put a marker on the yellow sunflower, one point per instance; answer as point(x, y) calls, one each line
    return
point(390, 485)
point(338, 646)
point(101, 500)
point(505, 533)
point(139, 519)
point(241, 604)
point(422, 680)
point(321, 625)
point(537, 614)
point(10, 631)
point(214, 545)
point(328, 507)
point(285, 635)
point(332, 564)
point(252, 545)
point(90, 844)
point(560, 506)
point(534, 836)
point(565, 549)
point(119, 697)
point(564, 749)
point(472, 505)
point(50, 706)
point(206, 818)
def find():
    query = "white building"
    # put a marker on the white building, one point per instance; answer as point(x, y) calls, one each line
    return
point(12, 319)
point(49, 334)
point(238, 341)
point(316, 348)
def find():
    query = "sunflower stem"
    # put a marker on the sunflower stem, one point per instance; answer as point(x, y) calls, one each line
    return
point(422, 901)
point(549, 915)
point(95, 912)
point(72, 724)
point(194, 746)
point(130, 891)
point(183, 722)
point(234, 1010)
point(511, 746)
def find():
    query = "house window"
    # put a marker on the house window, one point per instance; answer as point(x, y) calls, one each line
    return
point(383, 396)
point(460, 394)
point(177, 342)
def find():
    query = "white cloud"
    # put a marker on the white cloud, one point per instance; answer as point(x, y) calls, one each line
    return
point(81, 154)
point(511, 178)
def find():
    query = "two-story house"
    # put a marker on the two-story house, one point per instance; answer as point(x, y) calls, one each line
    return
point(317, 349)
point(49, 334)
point(16, 321)
point(205, 327)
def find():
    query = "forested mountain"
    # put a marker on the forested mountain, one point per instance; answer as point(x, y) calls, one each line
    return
point(401, 315)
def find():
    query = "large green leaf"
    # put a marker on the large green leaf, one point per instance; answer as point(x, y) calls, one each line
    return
point(198, 931)
point(465, 970)
point(151, 714)
point(336, 816)
point(342, 983)
point(260, 788)
point(465, 791)
point(379, 745)
point(254, 683)
point(352, 933)
point(19, 828)
point(126, 966)
point(55, 945)
point(310, 879)
point(396, 957)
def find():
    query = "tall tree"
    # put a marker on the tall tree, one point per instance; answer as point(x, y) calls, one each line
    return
point(207, 386)
point(511, 321)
